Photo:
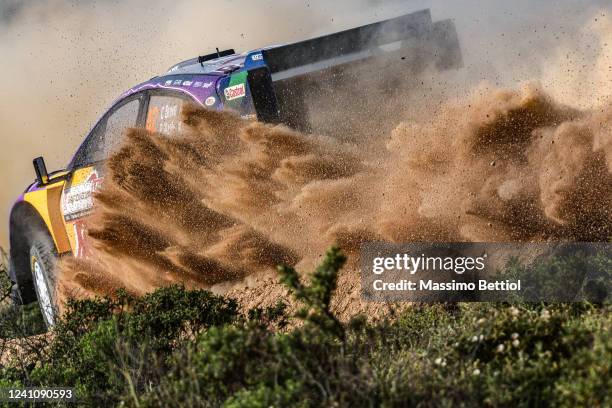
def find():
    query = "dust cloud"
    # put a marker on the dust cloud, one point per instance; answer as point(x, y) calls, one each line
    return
point(465, 156)
point(63, 62)
point(229, 199)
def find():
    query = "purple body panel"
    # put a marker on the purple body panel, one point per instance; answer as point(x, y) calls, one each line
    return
point(198, 85)
point(207, 86)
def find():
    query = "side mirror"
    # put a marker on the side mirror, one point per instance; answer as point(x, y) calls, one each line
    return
point(41, 171)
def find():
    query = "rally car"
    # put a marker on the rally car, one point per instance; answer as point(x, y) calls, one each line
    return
point(269, 84)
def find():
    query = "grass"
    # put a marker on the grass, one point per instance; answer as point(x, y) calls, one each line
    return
point(175, 347)
point(16, 321)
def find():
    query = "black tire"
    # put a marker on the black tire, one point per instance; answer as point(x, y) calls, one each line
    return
point(43, 259)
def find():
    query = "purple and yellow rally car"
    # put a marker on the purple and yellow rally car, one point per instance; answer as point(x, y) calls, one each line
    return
point(271, 84)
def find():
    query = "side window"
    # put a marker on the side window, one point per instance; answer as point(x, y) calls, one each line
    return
point(122, 118)
point(108, 134)
point(164, 114)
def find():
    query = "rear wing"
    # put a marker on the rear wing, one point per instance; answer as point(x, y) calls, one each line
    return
point(276, 75)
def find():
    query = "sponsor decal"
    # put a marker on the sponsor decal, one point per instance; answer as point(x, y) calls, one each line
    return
point(169, 111)
point(257, 57)
point(235, 92)
point(81, 250)
point(197, 84)
point(177, 82)
point(210, 101)
point(169, 82)
point(77, 201)
point(168, 118)
point(152, 118)
point(207, 85)
point(187, 83)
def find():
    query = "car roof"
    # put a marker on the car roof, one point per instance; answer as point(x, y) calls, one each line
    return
point(212, 69)
point(218, 66)
point(209, 67)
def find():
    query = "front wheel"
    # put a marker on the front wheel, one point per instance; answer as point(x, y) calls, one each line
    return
point(43, 260)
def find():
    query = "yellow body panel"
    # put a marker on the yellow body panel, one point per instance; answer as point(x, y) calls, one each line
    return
point(47, 202)
point(81, 175)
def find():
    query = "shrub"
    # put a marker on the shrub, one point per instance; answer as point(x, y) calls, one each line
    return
point(190, 348)
point(110, 348)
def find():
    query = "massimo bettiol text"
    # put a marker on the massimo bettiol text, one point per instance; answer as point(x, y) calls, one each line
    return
point(459, 265)
point(442, 272)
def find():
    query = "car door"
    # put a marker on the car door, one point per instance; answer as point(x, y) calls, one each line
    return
point(86, 169)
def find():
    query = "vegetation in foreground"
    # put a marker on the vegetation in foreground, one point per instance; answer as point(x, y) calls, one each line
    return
point(183, 348)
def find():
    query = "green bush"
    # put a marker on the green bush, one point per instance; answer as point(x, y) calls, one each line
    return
point(20, 321)
point(190, 348)
point(581, 275)
point(16, 321)
point(111, 348)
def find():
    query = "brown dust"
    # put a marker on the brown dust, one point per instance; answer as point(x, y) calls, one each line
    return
point(220, 205)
